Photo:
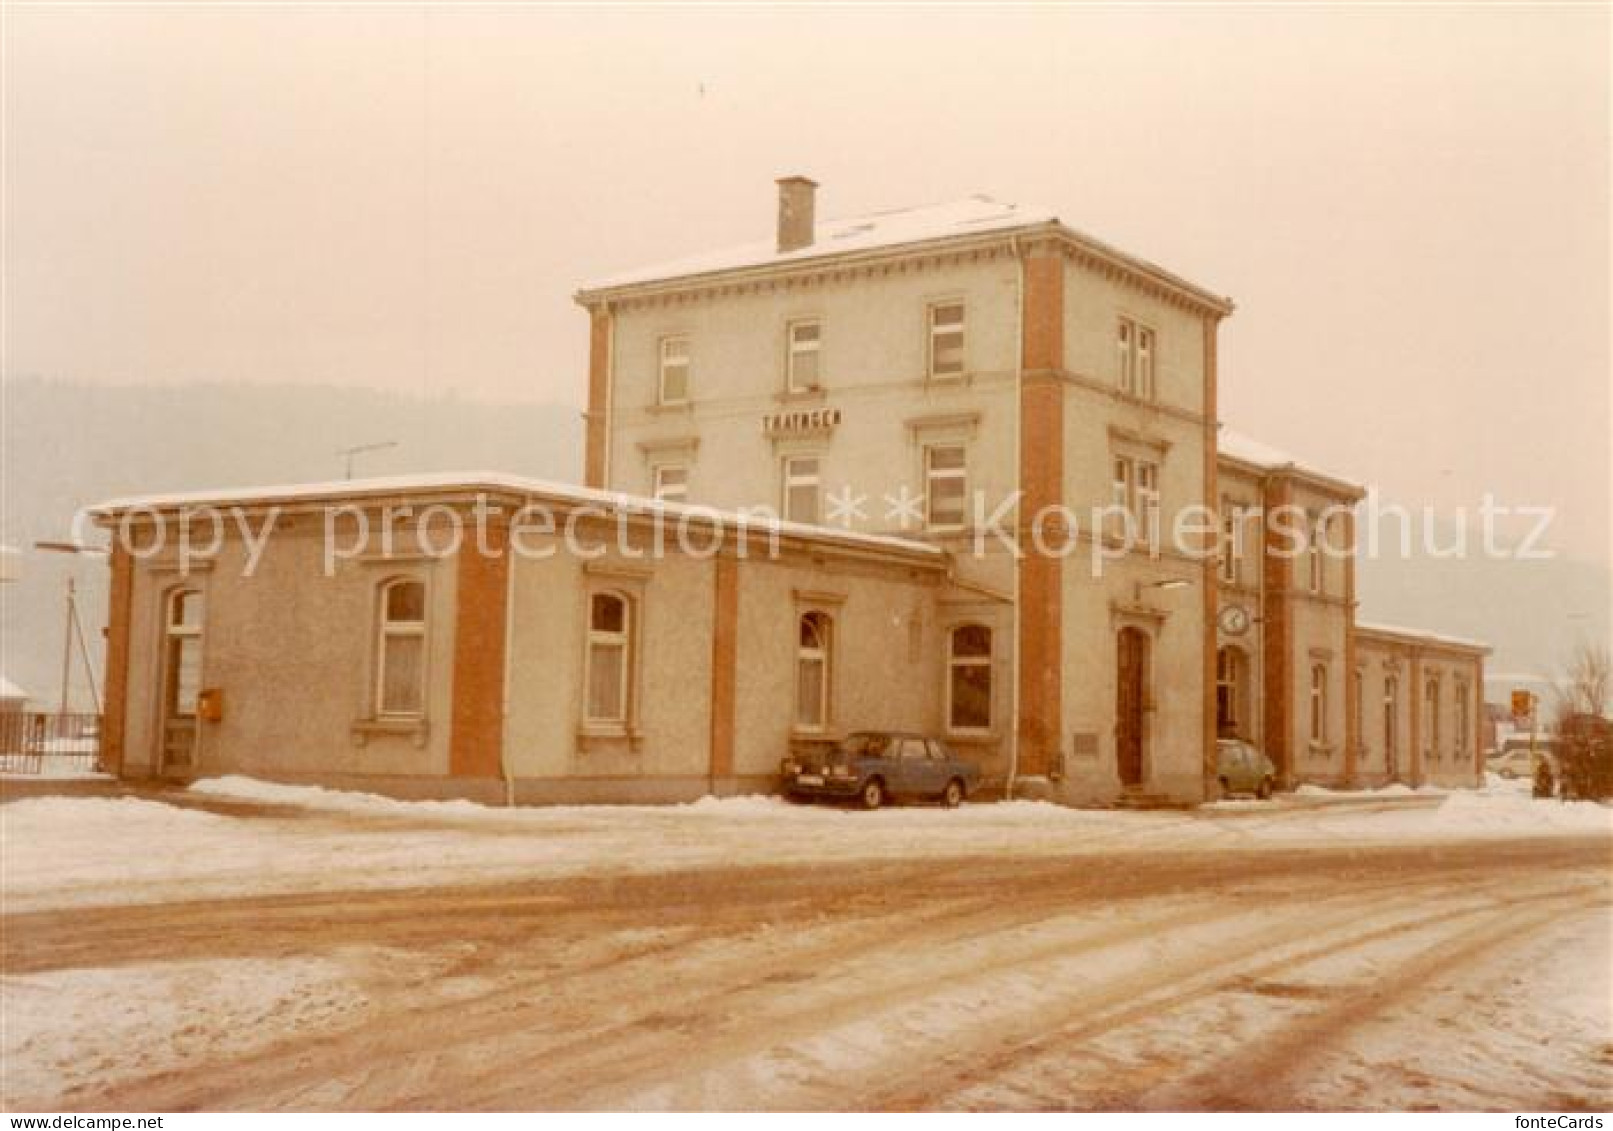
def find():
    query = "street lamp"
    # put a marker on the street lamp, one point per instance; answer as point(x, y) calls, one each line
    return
point(1169, 583)
point(75, 627)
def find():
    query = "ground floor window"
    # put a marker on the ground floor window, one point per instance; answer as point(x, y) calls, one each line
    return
point(401, 650)
point(610, 623)
point(812, 660)
point(182, 659)
point(1391, 720)
point(1319, 703)
point(1431, 718)
point(1229, 684)
point(969, 678)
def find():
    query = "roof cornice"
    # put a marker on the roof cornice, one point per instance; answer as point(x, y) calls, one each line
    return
point(813, 270)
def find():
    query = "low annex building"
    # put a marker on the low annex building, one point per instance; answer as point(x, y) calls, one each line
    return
point(958, 438)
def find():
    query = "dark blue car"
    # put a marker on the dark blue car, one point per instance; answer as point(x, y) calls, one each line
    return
point(873, 767)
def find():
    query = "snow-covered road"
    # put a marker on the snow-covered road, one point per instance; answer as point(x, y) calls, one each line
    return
point(316, 950)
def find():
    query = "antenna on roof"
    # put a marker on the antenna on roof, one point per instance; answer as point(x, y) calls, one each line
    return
point(347, 454)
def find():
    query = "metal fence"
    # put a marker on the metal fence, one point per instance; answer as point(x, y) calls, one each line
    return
point(33, 742)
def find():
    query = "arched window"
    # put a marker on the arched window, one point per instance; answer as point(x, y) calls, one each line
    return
point(1431, 717)
point(1464, 721)
point(969, 677)
point(182, 653)
point(1391, 721)
point(400, 668)
point(610, 635)
point(1319, 704)
point(812, 666)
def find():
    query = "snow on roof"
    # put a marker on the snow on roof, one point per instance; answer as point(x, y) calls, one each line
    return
point(348, 490)
point(9, 690)
point(1422, 634)
point(952, 219)
point(1246, 449)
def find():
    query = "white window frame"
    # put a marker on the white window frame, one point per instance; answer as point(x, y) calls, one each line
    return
point(823, 654)
point(1146, 504)
point(1125, 351)
point(175, 638)
point(933, 473)
point(955, 661)
point(790, 478)
point(665, 492)
point(938, 328)
point(1319, 728)
point(794, 350)
point(1146, 357)
point(674, 351)
point(603, 638)
point(388, 629)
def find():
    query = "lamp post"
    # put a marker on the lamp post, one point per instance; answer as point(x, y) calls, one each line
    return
point(74, 629)
point(1165, 585)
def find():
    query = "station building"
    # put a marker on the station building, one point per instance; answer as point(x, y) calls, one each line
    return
point(927, 469)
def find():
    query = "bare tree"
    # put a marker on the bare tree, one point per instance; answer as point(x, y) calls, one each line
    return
point(1584, 734)
point(1588, 684)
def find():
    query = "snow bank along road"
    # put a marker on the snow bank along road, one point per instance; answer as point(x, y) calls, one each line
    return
point(335, 952)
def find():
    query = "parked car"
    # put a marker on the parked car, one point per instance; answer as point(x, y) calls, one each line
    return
point(1240, 768)
point(873, 767)
point(1515, 760)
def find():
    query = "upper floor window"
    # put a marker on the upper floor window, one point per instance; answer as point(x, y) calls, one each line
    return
point(1135, 491)
point(671, 483)
point(1319, 703)
point(401, 651)
point(609, 659)
point(1314, 554)
point(1231, 543)
point(1134, 345)
point(803, 362)
point(946, 339)
point(802, 489)
point(946, 485)
point(674, 385)
point(1146, 508)
point(812, 660)
point(969, 678)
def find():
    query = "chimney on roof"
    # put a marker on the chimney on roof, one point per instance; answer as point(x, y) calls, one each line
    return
point(796, 199)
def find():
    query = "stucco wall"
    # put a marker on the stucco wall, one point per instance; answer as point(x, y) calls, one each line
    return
point(293, 652)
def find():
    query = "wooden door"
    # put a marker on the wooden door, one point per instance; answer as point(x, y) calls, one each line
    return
point(1131, 670)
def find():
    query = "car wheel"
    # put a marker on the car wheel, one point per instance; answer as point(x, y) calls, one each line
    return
point(1264, 792)
point(873, 795)
point(952, 795)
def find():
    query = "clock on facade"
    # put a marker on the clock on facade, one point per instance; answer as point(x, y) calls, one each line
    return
point(1234, 620)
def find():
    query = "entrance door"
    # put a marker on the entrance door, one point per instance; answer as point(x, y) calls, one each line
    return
point(1131, 671)
point(181, 681)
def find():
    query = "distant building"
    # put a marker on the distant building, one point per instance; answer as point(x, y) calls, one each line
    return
point(917, 393)
point(12, 697)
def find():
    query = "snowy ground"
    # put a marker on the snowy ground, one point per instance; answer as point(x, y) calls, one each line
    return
point(290, 947)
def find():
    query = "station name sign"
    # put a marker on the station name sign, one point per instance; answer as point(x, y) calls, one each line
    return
point(800, 420)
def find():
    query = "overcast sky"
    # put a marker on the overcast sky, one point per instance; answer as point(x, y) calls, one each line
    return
point(1410, 206)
